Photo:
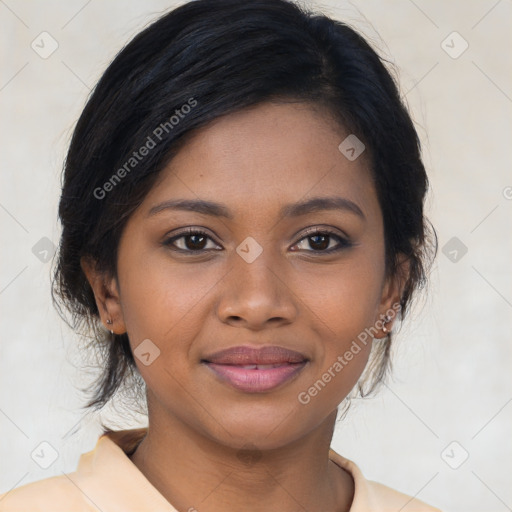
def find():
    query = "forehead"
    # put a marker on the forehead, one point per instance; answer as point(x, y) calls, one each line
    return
point(266, 156)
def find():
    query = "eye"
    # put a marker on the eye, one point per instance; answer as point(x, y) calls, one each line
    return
point(192, 240)
point(323, 241)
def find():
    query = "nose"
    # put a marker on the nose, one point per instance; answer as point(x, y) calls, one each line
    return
point(256, 295)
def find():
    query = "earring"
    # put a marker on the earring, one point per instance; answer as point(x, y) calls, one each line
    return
point(109, 322)
point(386, 321)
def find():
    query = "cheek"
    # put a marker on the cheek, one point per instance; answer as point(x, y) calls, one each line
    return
point(344, 298)
point(147, 285)
point(162, 300)
point(343, 306)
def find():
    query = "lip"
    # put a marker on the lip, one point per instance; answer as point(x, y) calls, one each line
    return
point(256, 370)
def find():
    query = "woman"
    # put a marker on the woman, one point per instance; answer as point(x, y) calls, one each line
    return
point(242, 210)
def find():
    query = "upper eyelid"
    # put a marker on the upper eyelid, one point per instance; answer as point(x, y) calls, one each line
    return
point(324, 229)
point(189, 231)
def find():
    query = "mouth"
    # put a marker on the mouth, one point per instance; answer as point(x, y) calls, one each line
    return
point(255, 370)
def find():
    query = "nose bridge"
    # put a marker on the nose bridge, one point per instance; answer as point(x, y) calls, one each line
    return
point(254, 291)
point(259, 274)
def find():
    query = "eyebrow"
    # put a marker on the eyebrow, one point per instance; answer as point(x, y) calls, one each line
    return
point(192, 205)
point(314, 204)
point(317, 204)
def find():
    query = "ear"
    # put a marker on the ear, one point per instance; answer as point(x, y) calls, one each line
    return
point(106, 293)
point(391, 295)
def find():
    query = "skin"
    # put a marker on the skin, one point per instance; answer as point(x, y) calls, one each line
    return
point(293, 295)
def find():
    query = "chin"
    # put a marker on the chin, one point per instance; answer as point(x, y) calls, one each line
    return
point(267, 428)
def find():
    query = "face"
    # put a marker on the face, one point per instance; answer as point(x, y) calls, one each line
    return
point(236, 306)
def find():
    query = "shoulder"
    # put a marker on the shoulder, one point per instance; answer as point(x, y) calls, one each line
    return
point(392, 500)
point(105, 479)
point(371, 496)
point(56, 493)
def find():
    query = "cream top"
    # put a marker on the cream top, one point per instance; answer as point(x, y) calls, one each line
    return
point(106, 480)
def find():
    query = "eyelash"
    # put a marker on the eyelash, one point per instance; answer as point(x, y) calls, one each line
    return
point(343, 243)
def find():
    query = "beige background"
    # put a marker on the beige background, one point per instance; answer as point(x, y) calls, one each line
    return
point(453, 360)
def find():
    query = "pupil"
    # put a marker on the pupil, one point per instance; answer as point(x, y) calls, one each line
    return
point(319, 241)
point(195, 241)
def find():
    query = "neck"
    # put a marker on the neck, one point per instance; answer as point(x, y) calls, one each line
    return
point(194, 472)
